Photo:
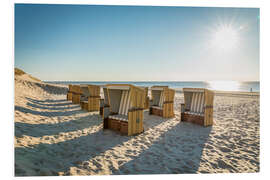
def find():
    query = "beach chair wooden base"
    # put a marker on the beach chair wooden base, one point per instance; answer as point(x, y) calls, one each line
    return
point(122, 126)
point(116, 125)
point(156, 111)
point(193, 118)
point(161, 112)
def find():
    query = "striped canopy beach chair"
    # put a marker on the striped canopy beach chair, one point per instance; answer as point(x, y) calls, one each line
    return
point(198, 106)
point(90, 97)
point(162, 102)
point(123, 108)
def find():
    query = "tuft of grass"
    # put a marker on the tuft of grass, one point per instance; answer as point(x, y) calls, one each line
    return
point(19, 71)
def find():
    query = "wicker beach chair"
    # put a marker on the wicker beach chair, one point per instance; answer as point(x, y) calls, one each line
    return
point(90, 97)
point(198, 106)
point(69, 93)
point(162, 101)
point(123, 108)
point(76, 94)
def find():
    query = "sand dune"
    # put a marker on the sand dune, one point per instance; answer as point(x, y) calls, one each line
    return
point(55, 137)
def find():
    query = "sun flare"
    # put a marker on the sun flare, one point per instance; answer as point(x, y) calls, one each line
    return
point(224, 38)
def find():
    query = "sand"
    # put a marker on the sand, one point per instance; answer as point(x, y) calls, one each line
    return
point(55, 137)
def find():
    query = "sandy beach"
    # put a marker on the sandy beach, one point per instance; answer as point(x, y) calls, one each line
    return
point(55, 137)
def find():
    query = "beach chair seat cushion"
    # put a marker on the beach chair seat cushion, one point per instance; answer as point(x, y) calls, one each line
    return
point(157, 107)
point(195, 113)
point(124, 103)
point(119, 117)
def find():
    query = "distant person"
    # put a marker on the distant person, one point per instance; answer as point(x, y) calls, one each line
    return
point(250, 89)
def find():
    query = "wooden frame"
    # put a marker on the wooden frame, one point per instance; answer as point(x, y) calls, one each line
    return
point(146, 100)
point(162, 102)
point(202, 101)
point(90, 98)
point(76, 94)
point(69, 93)
point(113, 97)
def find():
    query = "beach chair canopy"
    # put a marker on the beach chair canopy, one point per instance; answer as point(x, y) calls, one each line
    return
point(85, 90)
point(162, 103)
point(157, 93)
point(90, 97)
point(125, 105)
point(194, 100)
point(198, 107)
point(121, 99)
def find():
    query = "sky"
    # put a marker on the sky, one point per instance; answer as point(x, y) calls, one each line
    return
point(137, 43)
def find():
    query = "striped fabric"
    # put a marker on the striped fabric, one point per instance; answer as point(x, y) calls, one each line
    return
point(119, 117)
point(124, 103)
point(121, 103)
point(197, 103)
point(161, 99)
point(192, 107)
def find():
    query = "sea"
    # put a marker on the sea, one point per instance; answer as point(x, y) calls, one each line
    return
point(243, 86)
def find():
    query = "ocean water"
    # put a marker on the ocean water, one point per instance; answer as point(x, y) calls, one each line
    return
point(253, 86)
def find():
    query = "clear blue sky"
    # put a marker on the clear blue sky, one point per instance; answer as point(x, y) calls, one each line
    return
point(137, 43)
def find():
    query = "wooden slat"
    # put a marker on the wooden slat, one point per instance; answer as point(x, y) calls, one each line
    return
point(129, 123)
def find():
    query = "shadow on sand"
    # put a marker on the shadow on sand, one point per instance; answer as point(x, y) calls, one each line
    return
point(39, 130)
point(57, 107)
point(175, 146)
point(50, 159)
point(52, 89)
point(50, 102)
point(48, 113)
point(42, 158)
point(47, 100)
point(178, 150)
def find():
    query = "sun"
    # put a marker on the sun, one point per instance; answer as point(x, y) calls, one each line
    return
point(224, 38)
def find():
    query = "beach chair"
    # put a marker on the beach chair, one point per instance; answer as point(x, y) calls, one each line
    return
point(90, 97)
point(162, 102)
point(198, 106)
point(123, 108)
point(69, 93)
point(76, 94)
